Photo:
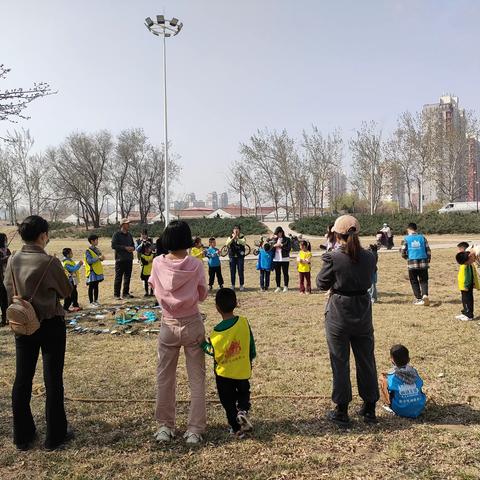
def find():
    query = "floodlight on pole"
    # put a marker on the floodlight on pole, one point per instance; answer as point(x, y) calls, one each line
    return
point(162, 27)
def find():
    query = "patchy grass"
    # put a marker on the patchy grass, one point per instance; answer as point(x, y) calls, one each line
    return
point(291, 439)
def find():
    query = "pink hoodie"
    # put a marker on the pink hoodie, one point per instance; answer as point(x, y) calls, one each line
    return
point(178, 285)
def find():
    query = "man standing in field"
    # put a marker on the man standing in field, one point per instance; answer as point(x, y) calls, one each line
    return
point(416, 251)
point(124, 246)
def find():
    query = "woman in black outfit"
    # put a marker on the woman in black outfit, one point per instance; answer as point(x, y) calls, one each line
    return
point(281, 260)
point(347, 273)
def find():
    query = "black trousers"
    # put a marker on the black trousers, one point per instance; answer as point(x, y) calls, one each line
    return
point(279, 267)
point(265, 279)
point(51, 339)
point(339, 341)
point(419, 281)
point(3, 301)
point(93, 291)
point(123, 271)
point(234, 396)
point(212, 271)
point(72, 300)
point(237, 263)
point(467, 301)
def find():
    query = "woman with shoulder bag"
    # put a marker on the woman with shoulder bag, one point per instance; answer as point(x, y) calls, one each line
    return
point(31, 271)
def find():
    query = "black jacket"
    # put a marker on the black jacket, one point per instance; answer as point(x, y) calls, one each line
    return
point(121, 240)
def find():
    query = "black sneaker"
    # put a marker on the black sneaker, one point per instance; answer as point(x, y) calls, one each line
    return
point(339, 417)
point(70, 435)
point(128, 295)
point(23, 447)
point(367, 411)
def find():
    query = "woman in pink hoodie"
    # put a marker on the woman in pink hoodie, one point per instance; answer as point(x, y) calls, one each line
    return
point(178, 281)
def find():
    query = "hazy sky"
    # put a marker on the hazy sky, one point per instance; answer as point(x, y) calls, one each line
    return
point(237, 65)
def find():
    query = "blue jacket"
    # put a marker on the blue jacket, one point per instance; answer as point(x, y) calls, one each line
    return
point(405, 388)
point(265, 259)
point(213, 257)
point(416, 248)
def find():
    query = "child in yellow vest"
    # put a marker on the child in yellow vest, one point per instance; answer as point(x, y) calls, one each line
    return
point(467, 281)
point(304, 266)
point(71, 267)
point(146, 259)
point(93, 269)
point(197, 251)
point(232, 346)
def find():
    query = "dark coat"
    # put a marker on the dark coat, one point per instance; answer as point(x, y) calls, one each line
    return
point(349, 306)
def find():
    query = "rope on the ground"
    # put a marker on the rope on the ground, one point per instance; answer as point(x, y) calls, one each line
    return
point(38, 390)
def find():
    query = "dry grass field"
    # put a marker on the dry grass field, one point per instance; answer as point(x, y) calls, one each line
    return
point(291, 387)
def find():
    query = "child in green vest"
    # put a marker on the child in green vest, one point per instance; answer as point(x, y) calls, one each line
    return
point(232, 346)
point(146, 259)
point(71, 267)
point(467, 281)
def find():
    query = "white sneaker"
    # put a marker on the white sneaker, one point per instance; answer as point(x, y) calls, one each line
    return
point(459, 317)
point(164, 434)
point(285, 289)
point(426, 300)
point(418, 302)
point(463, 318)
point(242, 288)
point(278, 290)
point(244, 421)
point(192, 438)
point(232, 287)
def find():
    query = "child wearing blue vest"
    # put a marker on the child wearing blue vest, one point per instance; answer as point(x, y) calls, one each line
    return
point(71, 267)
point(264, 264)
point(416, 251)
point(467, 281)
point(232, 346)
point(214, 267)
point(401, 388)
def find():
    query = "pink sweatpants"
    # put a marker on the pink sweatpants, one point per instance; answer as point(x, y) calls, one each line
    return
point(175, 333)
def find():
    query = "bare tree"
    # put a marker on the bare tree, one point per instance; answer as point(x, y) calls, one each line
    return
point(323, 159)
point(14, 101)
point(369, 167)
point(10, 186)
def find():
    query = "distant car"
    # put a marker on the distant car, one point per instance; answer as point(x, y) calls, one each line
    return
point(464, 207)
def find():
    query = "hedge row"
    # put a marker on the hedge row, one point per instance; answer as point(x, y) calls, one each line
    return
point(428, 223)
point(202, 227)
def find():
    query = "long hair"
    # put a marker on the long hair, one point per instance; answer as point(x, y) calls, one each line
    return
point(353, 246)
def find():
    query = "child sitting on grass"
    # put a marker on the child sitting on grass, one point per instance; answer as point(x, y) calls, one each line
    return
point(304, 266)
point(467, 281)
point(232, 346)
point(71, 267)
point(197, 250)
point(146, 259)
point(401, 388)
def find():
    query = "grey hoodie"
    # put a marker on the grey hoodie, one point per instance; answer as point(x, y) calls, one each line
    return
point(407, 374)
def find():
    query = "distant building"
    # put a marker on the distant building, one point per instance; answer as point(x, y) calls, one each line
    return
point(223, 202)
point(190, 200)
point(212, 200)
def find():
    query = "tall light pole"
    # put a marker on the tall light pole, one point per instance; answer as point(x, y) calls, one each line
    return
point(162, 27)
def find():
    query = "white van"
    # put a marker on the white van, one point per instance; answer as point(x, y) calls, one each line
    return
point(464, 207)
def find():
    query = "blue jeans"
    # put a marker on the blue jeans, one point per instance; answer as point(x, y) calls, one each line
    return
point(373, 289)
point(237, 263)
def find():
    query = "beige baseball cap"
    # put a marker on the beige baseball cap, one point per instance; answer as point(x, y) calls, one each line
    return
point(123, 221)
point(345, 224)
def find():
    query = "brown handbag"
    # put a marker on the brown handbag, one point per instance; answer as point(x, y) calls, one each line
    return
point(21, 315)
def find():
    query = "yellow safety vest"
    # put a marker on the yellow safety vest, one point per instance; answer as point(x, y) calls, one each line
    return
point(462, 273)
point(304, 267)
point(97, 267)
point(147, 269)
point(231, 351)
point(73, 275)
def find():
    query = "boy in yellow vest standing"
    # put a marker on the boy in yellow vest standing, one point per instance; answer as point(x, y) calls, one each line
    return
point(232, 346)
point(71, 267)
point(467, 281)
point(93, 269)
